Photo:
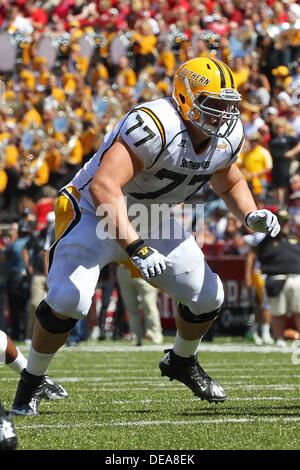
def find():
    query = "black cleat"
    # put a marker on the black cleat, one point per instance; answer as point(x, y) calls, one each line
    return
point(29, 393)
point(190, 373)
point(53, 391)
point(8, 437)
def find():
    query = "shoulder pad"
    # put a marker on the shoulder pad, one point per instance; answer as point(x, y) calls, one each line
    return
point(144, 133)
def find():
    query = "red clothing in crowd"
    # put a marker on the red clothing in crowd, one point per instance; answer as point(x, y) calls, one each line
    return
point(40, 17)
point(3, 11)
point(63, 8)
point(43, 207)
point(20, 3)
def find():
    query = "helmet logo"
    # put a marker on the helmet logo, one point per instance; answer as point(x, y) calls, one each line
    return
point(193, 77)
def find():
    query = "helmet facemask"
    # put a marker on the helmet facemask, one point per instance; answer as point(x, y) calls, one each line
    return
point(214, 113)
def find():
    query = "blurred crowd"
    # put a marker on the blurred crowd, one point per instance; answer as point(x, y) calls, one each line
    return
point(72, 68)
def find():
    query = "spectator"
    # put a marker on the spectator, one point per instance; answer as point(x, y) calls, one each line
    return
point(280, 262)
point(293, 117)
point(294, 212)
point(294, 183)
point(281, 142)
point(256, 163)
point(44, 205)
point(256, 280)
point(18, 281)
point(107, 284)
point(34, 261)
point(253, 119)
point(137, 291)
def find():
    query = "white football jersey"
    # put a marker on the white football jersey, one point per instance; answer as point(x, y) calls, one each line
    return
point(173, 171)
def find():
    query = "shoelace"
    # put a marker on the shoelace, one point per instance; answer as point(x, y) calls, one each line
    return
point(198, 374)
point(202, 372)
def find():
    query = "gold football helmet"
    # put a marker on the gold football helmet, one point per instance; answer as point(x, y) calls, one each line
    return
point(205, 94)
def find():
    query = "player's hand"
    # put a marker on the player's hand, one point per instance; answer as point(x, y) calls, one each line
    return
point(263, 221)
point(149, 261)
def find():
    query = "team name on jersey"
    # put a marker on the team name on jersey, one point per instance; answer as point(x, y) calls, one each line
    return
point(194, 77)
point(193, 165)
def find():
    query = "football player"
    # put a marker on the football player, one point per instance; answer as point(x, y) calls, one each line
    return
point(160, 152)
point(8, 437)
point(12, 356)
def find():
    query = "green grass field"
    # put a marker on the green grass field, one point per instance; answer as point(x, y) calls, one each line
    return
point(118, 400)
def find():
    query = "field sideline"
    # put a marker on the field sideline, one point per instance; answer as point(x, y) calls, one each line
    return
point(118, 400)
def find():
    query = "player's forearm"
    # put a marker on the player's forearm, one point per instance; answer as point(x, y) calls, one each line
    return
point(239, 200)
point(111, 200)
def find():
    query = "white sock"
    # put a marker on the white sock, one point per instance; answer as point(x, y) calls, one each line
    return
point(38, 362)
point(265, 329)
point(184, 347)
point(19, 363)
point(3, 346)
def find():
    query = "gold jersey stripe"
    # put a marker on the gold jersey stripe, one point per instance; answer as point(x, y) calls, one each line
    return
point(157, 121)
point(64, 215)
point(67, 216)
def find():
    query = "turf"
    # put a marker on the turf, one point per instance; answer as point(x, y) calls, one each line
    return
point(118, 400)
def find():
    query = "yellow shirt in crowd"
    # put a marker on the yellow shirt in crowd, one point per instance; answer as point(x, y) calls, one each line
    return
point(255, 161)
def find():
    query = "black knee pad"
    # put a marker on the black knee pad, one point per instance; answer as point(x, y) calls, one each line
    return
point(50, 322)
point(190, 317)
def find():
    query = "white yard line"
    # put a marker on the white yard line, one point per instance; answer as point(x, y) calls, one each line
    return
point(202, 347)
point(222, 348)
point(148, 401)
point(157, 383)
point(156, 375)
point(194, 399)
point(137, 424)
point(116, 370)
